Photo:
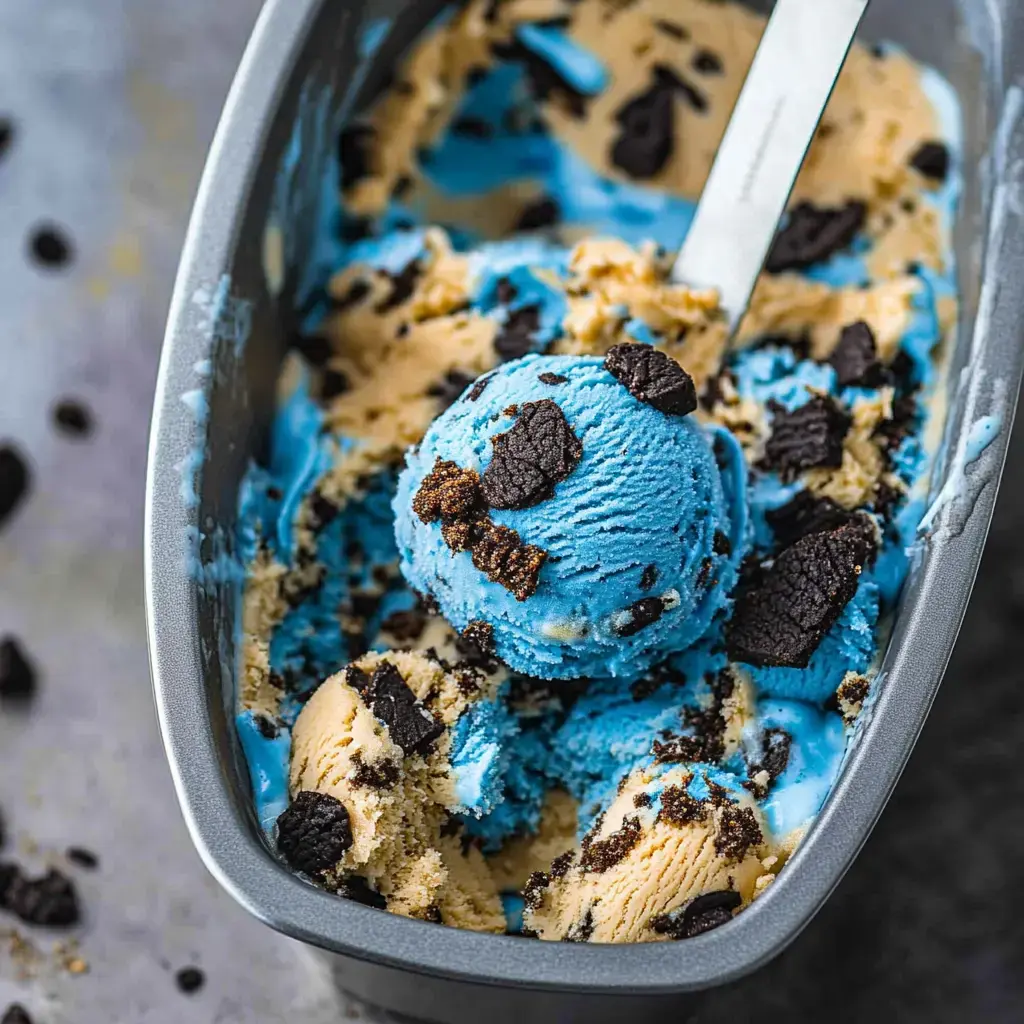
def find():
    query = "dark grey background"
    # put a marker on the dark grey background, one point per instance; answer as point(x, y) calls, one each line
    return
point(114, 102)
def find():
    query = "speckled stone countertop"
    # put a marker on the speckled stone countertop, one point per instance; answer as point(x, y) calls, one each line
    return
point(112, 104)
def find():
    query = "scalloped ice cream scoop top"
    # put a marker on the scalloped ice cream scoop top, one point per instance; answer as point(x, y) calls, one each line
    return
point(601, 533)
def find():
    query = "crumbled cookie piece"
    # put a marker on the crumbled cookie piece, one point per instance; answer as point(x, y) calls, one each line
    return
point(649, 577)
point(405, 626)
point(478, 389)
point(502, 556)
point(648, 136)
point(852, 693)
point(783, 617)
point(652, 377)
point(314, 832)
point(599, 855)
point(411, 725)
point(736, 831)
point(640, 615)
point(518, 334)
point(809, 436)
point(552, 379)
point(15, 479)
point(813, 234)
point(803, 514)
point(542, 213)
point(190, 980)
point(702, 914)
point(765, 770)
point(679, 808)
point(51, 900)
point(17, 674)
point(357, 890)
point(82, 857)
point(15, 1014)
point(381, 774)
point(932, 160)
point(355, 145)
point(73, 417)
point(539, 452)
point(855, 358)
point(403, 284)
point(477, 639)
point(582, 930)
point(448, 493)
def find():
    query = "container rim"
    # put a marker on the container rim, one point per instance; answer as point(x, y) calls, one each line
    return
point(224, 835)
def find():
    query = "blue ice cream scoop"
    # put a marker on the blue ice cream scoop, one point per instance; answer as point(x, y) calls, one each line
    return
point(595, 531)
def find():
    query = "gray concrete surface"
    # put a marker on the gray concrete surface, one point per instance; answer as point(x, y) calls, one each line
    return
point(114, 103)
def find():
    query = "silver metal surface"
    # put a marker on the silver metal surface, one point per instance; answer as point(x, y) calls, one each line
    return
point(192, 656)
point(798, 61)
point(114, 105)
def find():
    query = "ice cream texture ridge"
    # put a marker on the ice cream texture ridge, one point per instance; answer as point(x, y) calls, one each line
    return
point(561, 605)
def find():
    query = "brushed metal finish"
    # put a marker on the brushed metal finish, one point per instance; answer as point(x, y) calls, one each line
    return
point(795, 69)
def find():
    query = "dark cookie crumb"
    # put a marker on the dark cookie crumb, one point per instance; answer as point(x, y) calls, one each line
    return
point(704, 575)
point(721, 544)
point(323, 512)
point(598, 855)
point(358, 890)
point(891, 432)
point(707, 62)
point(50, 901)
point(502, 556)
point(561, 864)
point(702, 914)
point(850, 696)
point(649, 577)
point(14, 480)
point(654, 679)
point(15, 1013)
point(314, 832)
point(83, 858)
point(533, 891)
point(774, 760)
point(449, 389)
point(648, 132)
point(354, 147)
point(641, 800)
point(679, 808)
point(472, 128)
point(403, 284)
point(813, 234)
point(405, 626)
point(449, 494)
point(544, 213)
point(887, 499)
point(17, 674)
point(736, 832)
point(73, 417)
point(582, 930)
point(642, 613)
point(479, 635)
point(411, 725)
point(381, 774)
point(653, 378)
point(807, 437)
point(478, 389)
point(357, 291)
point(6, 135)
point(190, 980)
point(781, 620)
point(932, 160)
point(803, 514)
point(518, 334)
point(539, 452)
point(50, 247)
point(314, 348)
point(673, 29)
point(552, 379)
point(332, 384)
point(855, 358)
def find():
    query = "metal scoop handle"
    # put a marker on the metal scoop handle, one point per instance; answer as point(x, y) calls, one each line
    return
point(802, 51)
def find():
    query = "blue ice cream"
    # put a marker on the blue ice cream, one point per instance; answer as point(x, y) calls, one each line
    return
point(641, 538)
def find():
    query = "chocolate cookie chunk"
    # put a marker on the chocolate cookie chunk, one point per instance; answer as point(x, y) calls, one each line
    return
point(543, 213)
point(803, 514)
point(14, 481)
point(17, 676)
point(314, 832)
point(599, 855)
point(449, 494)
point(403, 284)
point(552, 379)
point(641, 614)
point(648, 136)
point(15, 1014)
point(410, 724)
point(502, 556)
point(50, 901)
point(653, 378)
point(702, 914)
point(932, 160)
point(855, 358)
point(809, 436)
point(539, 452)
point(518, 334)
point(737, 832)
point(783, 617)
point(813, 234)
point(354, 146)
